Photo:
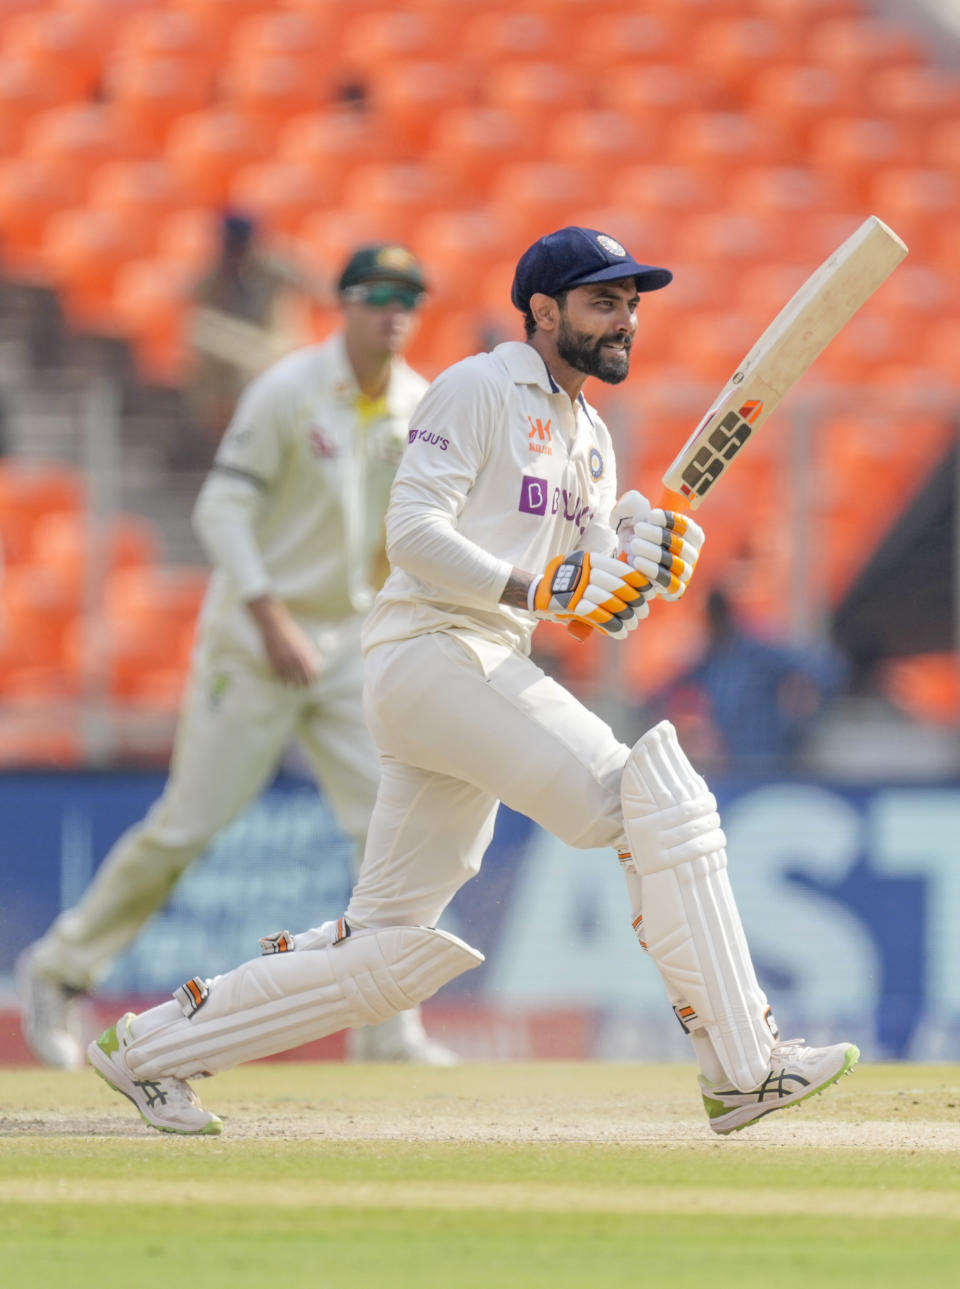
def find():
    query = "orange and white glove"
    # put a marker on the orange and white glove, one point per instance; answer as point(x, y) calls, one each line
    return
point(663, 545)
point(595, 590)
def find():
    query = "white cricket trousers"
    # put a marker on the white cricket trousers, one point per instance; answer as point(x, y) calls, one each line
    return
point(463, 724)
point(236, 722)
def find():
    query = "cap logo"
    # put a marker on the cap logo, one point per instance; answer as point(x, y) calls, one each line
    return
point(397, 258)
point(610, 246)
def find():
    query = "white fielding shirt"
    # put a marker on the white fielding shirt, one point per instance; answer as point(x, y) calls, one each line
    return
point(295, 503)
point(501, 470)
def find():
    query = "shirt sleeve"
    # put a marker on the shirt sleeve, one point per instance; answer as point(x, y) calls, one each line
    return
point(447, 447)
point(247, 462)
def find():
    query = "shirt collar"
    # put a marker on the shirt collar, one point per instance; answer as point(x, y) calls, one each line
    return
point(345, 382)
point(527, 367)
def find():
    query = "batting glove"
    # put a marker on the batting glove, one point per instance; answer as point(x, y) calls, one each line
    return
point(603, 593)
point(663, 545)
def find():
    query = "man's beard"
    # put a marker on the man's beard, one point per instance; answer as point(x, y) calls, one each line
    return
point(585, 354)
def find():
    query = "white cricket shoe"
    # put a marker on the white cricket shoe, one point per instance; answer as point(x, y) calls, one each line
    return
point(167, 1104)
point(50, 1016)
point(796, 1072)
point(401, 1038)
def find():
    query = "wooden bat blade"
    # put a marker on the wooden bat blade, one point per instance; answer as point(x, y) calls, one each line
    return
point(790, 345)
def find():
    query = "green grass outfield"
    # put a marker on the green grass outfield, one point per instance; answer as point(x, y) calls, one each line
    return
point(498, 1176)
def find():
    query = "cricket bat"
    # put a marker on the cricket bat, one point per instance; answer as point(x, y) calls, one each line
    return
point(790, 345)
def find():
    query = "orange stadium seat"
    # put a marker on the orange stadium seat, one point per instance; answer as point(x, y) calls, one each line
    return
point(860, 46)
point(494, 37)
point(397, 193)
point(11, 8)
point(927, 686)
point(23, 94)
point(83, 250)
point(600, 137)
point(369, 40)
point(445, 336)
point(410, 93)
point(723, 144)
point(532, 89)
point(614, 38)
point(221, 14)
point(531, 198)
point(37, 607)
point(31, 193)
point(941, 348)
point(149, 308)
point(169, 596)
point(65, 47)
point(328, 238)
point(926, 94)
point(942, 145)
point(76, 138)
point(731, 48)
point(274, 88)
point(786, 189)
point(110, 12)
point(453, 245)
point(148, 94)
point(37, 744)
point(651, 93)
point(663, 188)
point(733, 237)
point(189, 239)
point(273, 32)
point(915, 201)
point(280, 195)
point(803, 13)
point(469, 145)
point(334, 140)
point(61, 543)
point(162, 32)
point(853, 148)
point(799, 96)
point(712, 343)
point(206, 148)
point(29, 491)
point(141, 192)
point(867, 344)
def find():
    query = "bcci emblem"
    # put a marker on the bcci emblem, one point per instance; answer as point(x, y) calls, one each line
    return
point(596, 464)
point(610, 246)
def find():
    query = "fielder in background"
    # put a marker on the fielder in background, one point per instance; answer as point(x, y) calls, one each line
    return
point(504, 513)
point(292, 519)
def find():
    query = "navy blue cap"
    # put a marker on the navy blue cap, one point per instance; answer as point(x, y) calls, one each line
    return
point(575, 256)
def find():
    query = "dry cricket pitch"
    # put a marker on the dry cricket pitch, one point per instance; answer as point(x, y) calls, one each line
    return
point(507, 1174)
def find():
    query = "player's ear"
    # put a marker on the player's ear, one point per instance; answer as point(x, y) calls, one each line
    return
point(545, 310)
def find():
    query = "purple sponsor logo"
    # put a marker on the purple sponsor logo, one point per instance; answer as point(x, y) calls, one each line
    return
point(426, 437)
point(533, 495)
point(574, 509)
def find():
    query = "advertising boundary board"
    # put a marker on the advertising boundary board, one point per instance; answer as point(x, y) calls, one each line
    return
point(850, 897)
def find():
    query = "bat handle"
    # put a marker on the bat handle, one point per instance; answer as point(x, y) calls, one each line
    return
point(579, 630)
point(669, 500)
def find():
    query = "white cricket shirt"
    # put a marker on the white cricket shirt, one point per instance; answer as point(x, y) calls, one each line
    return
point(501, 469)
point(295, 502)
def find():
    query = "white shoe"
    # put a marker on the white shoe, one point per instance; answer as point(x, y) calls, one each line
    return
point(50, 1016)
point(167, 1104)
point(401, 1038)
point(796, 1072)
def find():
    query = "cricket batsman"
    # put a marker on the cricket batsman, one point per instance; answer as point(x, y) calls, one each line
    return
point(504, 515)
